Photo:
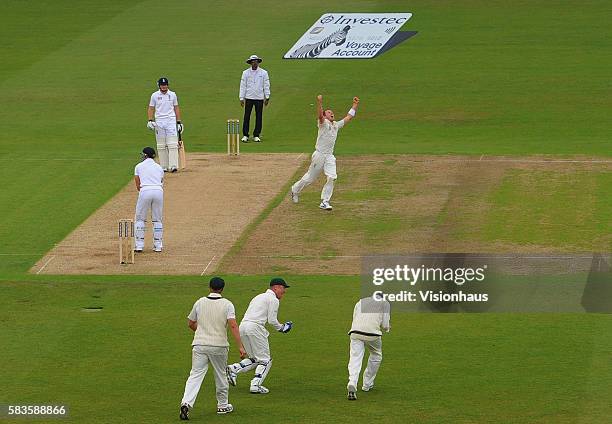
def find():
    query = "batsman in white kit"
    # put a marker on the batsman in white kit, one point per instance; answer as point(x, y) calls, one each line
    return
point(149, 179)
point(323, 158)
point(370, 317)
point(262, 309)
point(209, 319)
point(163, 106)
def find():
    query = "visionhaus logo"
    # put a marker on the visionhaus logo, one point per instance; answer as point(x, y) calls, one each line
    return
point(351, 36)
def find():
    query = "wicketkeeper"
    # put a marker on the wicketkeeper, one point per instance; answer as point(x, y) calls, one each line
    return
point(167, 124)
point(369, 318)
point(262, 309)
point(323, 159)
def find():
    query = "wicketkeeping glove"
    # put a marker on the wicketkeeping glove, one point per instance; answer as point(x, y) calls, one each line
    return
point(151, 125)
point(286, 327)
point(179, 126)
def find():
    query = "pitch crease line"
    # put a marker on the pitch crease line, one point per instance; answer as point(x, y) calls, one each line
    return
point(45, 265)
point(204, 272)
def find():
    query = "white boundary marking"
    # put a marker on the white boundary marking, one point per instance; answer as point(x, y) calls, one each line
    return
point(204, 272)
point(45, 265)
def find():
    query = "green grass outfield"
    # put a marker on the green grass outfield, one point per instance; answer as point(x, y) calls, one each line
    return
point(129, 362)
point(481, 77)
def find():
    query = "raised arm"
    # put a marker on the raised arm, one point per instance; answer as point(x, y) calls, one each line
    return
point(351, 113)
point(321, 117)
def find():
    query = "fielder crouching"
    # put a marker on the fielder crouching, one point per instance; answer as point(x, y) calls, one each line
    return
point(262, 309)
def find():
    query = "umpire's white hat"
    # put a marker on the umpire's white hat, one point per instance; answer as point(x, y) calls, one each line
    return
point(254, 57)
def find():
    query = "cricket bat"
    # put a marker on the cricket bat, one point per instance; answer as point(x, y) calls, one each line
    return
point(181, 152)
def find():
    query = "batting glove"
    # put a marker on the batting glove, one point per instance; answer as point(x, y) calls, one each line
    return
point(179, 126)
point(151, 125)
point(286, 327)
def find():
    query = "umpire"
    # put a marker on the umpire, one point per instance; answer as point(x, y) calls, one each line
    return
point(209, 319)
point(254, 91)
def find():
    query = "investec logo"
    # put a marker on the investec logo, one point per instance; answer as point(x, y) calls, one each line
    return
point(382, 20)
point(348, 36)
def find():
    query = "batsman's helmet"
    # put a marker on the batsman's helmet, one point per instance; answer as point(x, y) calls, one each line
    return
point(149, 152)
point(162, 81)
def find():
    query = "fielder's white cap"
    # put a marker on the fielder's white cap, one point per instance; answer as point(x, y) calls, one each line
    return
point(254, 57)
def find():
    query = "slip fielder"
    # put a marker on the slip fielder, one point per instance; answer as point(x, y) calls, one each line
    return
point(209, 319)
point(369, 318)
point(323, 158)
point(163, 106)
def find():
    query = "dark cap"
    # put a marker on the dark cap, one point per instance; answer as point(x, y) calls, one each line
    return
point(162, 81)
point(216, 283)
point(149, 151)
point(278, 282)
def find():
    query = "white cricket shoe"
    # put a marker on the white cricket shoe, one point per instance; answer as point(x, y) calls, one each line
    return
point(245, 139)
point(257, 139)
point(225, 409)
point(259, 390)
point(367, 388)
point(231, 375)
point(325, 206)
point(157, 249)
point(294, 197)
point(173, 169)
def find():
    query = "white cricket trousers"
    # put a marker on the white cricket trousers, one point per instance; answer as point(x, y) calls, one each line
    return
point(149, 199)
point(166, 137)
point(255, 340)
point(201, 356)
point(320, 162)
point(357, 351)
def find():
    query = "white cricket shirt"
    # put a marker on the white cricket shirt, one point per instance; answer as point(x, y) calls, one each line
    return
point(164, 105)
point(370, 316)
point(263, 308)
point(151, 175)
point(254, 84)
point(211, 313)
point(326, 138)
